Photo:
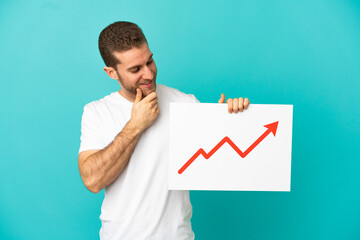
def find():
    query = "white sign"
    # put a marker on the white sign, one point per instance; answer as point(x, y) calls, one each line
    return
point(211, 149)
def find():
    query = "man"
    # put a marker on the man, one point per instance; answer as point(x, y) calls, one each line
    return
point(124, 143)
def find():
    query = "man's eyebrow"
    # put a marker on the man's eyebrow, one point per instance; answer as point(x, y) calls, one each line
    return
point(140, 65)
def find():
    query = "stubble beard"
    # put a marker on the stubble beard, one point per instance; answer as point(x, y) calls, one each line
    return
point(132, 90)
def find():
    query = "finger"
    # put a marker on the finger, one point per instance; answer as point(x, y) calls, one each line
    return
point(138, 96)
point(230, 105)
point(154, 104)
point(241, 104)
point(157, 111)
point(222, 98)
point(151, 96)
point(236, 105)
point(246, 103)
point(153, 100)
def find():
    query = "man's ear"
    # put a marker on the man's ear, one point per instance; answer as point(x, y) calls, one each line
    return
point(111, 72)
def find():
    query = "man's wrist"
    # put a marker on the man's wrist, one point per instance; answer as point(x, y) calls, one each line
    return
point(134, 128)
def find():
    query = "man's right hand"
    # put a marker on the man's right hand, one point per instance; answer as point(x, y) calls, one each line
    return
point(144, 110)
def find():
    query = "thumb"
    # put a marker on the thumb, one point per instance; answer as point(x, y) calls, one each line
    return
point(138, 96)
point(222, 98)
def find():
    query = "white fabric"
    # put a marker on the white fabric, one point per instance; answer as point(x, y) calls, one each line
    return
point(137, 205)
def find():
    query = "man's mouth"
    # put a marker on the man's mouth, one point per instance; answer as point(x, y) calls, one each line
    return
point(147, 84)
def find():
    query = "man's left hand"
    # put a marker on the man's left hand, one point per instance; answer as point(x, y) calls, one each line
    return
point(235, 105)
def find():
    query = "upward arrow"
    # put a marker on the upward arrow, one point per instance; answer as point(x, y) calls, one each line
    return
point(272, 127)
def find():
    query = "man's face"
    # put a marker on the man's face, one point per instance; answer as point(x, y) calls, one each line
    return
point(136, 69)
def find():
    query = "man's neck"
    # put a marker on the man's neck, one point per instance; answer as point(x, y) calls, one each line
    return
point(129, 97)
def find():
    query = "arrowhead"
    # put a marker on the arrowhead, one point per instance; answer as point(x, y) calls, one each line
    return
point(272, 127)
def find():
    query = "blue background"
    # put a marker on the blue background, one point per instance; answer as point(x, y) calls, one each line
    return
point(305, 53)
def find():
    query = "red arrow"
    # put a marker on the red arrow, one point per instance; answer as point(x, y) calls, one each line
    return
point(272, 127)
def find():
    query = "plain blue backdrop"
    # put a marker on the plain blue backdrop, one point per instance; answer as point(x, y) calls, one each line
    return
point(305, 53)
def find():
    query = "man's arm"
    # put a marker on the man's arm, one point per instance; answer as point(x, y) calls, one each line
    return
point(99, 168)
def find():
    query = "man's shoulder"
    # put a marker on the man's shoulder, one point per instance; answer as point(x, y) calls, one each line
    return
point(175, 95)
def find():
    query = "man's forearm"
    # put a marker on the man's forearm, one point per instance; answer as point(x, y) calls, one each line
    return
point(103, 167)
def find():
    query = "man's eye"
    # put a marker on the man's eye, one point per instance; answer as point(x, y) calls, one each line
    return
point(150, 62)
point(136, 70)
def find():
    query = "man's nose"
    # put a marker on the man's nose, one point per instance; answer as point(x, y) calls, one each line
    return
point(148, 74)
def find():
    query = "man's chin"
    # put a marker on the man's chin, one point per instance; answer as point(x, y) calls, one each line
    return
point(146, 91)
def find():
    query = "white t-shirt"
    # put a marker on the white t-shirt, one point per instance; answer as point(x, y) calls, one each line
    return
point(138, 205)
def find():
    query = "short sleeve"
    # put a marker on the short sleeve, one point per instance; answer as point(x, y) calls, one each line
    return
point(91, 131)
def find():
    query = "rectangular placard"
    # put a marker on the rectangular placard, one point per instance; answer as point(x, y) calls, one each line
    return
point(211, 149)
